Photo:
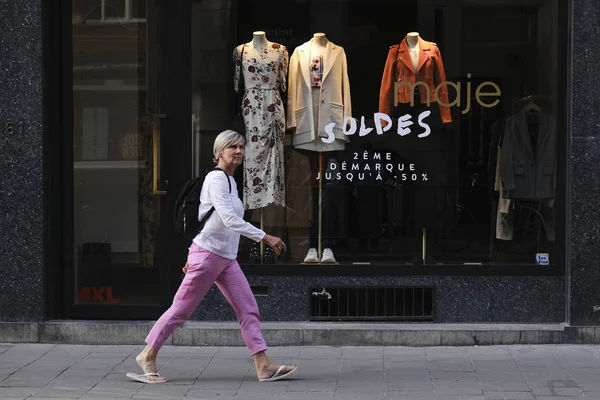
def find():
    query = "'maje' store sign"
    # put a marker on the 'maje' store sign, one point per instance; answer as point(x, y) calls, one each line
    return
point(487, 94)
point(479, 93)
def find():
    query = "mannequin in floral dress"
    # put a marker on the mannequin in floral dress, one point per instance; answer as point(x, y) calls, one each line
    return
point(263, 68)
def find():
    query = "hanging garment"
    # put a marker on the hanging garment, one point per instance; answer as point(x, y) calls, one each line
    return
point(495, 153)
point(310, 108)
point(528, 159)
point(264, 73)
point(399, 69)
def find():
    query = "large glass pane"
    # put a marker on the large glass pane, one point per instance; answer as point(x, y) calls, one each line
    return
point(116, 213)
point(464, 174)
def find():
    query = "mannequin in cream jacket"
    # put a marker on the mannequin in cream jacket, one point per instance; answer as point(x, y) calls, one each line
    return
point(318, 95)
point(335, 102)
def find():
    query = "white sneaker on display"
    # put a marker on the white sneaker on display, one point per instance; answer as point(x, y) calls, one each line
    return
point(311, 256)
point(328, 256)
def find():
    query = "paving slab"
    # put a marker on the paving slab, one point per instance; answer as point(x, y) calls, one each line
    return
point(522, 372)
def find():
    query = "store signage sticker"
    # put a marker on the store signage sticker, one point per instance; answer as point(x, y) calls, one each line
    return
point(372, 166)
point(542, 259)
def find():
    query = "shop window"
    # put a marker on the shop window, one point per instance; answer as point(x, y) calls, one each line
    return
point(464, 171)
point(116, 215)
point(389, 132)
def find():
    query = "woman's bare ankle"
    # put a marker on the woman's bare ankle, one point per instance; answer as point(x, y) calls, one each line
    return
point(147, 356)
point(261, 361)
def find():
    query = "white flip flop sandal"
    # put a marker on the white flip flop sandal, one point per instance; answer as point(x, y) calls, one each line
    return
point(144, 377)
point(276, 376)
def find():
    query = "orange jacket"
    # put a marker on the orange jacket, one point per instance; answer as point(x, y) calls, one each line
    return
point(399, 68)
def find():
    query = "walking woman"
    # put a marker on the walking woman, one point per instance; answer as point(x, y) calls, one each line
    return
point(212, 259)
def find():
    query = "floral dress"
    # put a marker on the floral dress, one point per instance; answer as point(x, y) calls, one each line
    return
point(264, 73)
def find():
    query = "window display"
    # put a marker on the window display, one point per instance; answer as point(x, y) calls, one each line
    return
point(260, 74)
point(408, 62)
point(444, 153)
point(526, 168)
point(263, 67)
point(319, 96)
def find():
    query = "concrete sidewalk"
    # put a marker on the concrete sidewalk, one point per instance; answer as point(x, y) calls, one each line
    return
point(37, 371)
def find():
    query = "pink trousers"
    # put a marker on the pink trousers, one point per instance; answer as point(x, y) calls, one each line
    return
point(206, 268)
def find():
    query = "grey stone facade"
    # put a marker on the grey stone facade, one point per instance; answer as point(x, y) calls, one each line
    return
point(583, 250)
point(21, 162)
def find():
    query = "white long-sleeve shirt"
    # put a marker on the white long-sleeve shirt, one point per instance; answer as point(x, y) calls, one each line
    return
point(221, 233)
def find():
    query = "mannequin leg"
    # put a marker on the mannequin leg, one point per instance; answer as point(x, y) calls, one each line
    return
point(333, 208)
point(312, 256)
point(256, 247)
point(272, 222)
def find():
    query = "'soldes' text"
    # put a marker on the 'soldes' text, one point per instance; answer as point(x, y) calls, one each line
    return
point(350, 126)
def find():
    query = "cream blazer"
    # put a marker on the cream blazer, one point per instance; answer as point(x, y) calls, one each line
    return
point(334, 104)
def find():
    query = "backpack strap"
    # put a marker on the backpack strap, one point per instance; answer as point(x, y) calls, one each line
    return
point(212, 209)
point(227, 176)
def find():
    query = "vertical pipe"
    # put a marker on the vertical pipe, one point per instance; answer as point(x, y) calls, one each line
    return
point(262, 227)
point(320, 250)
point(424, 245)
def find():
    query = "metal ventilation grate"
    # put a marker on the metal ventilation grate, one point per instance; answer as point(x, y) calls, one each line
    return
point(372, 304)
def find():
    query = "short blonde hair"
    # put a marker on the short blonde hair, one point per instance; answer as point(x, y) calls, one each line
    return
point(224, 140)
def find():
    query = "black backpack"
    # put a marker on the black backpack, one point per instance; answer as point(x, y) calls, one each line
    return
point(185, 213)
